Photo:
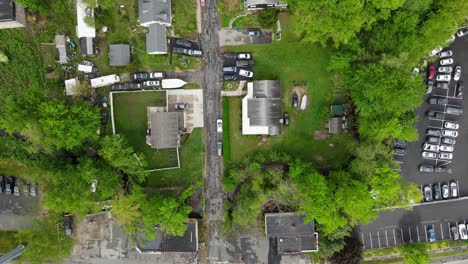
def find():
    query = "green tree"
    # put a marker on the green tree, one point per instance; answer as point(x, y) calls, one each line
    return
point(350, 254)
point(33, 5)
point(267, 18)
point(46, 241)
point(415, 253)
point(127, 209)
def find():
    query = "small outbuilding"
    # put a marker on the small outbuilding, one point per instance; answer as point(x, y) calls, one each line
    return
point(337, 125)
point(119, 54)
point(70, 86)
point(60, 44)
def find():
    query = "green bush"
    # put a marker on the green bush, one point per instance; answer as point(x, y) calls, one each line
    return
point(267, 18)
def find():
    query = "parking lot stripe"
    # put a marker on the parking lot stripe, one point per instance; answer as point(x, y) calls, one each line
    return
point(378, 238)
point(425, 231)
point(363, 241)
point(370, 237)
point(450, 233)
point(458, 189)
point(394, 237)
point(386, 237)
point(409, 229)
point(417, 232)
point(401, 232)
point(441, 231)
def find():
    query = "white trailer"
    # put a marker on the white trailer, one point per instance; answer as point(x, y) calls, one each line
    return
point(105, 80)
point(172, 83)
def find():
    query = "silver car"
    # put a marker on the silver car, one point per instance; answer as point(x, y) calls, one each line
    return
point(449, 133)
point(219, 148)
point(448, 61)
point(443, 78)
point(445, 69)
point(428, 155)
point(457, 74)
point(446, 148)
point(445, 156)
point(445, 54)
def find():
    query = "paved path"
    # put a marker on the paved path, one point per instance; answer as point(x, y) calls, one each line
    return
point(238, 92)
point(236, 17)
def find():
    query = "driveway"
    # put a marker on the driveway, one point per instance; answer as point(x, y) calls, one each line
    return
point(194, 98)
point(17, 211)
point(232, 37)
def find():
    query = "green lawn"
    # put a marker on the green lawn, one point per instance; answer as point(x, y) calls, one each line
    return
point(131, 120)
point(7, 241)
point(185, 18)
point(295, 64)
point(191, 164)
point(228, 9)
point(246, 22)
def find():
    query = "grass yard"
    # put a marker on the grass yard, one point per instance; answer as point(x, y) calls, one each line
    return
point(131, 120)
point(249, 21)
point(185, 18)
point(7, 241)
point(228, 9)
point(298, 66)
point(191, 164)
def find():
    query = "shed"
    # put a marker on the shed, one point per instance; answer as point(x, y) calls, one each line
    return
point(337, 125)
point(119, 54)
point(70, 86)
point(156, 41)
point(12, 15)
point(60, 44)
point(164, 130)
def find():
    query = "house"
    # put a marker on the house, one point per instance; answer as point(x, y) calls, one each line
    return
point(262, 108)
point(60, 44)
point(85, 29)
point(119, 54)
point(12, 15)
point(292, 235)
point(156, 16)
point(165, 127)
point(70, 86)
point(187, 243)
point(261, 4)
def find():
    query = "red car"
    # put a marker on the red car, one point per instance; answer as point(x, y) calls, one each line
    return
point(202, 2)
point(431, 72)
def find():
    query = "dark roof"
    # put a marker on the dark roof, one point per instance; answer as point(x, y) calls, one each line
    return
point(156, 42)
point(267, 89)
point(337, 110)
point(164, 130)
point(186, 243)
point(156, 11)
point(7, 10)
point(87, 45)
point(119, 54)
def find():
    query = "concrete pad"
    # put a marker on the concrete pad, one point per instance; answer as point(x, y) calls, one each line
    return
point(231, 37)
point(194, 98)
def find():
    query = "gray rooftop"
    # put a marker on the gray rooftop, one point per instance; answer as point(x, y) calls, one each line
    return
point(7, 10)
point(119, 54)
point(186, 243)
point(266, 106)
point(156, 42)
point(164, 130)
point(154, 11)
point(87, 46)
point(335, 125)
point(262, 2)
point(60, 44)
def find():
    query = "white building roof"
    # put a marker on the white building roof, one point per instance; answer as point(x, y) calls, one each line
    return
point(70, 86)
point(104, 80)
point(82, 28)
point(247, 129)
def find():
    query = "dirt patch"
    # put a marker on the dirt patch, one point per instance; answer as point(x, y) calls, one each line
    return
point(230, 5)
point(320, 134)
point(301, 91)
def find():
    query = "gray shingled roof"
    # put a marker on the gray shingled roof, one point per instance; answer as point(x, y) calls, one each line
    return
point(164, 130)
point(119, 54)
point(156, 41)
point(335, 125)
point(261, 2)
point(7, 10)
point(87, 45)
point(154, 11)
point(60, 44)
point(266, 107)
point(186, 243)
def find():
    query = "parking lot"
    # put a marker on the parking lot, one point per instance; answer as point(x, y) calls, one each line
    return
point(393, 228)
point(233, 37)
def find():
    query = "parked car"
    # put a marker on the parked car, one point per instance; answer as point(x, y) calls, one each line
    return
point(443, 78)
point(245, 63)
point(446, 148)
point(453, 110)
point(436, 191)
point(188, 52)
point(453, 189)
point(245, 73)
point(151, 83)
point(399, 151)
point(400, 143)
point(2, 183)
point(230, 55)
point(25, 188)
point(229, 77)
point(286, 119)
point(230, 69)
point(202, 3)
point(454, 232)
point(451, 39)
point(254, 33)
point(435, 51)
point(295, 100)
point(434, 132)
point(445, 69)
point(219, 125)
point(438, 100)
point(8, 183)
point(449, 141)
point(430, 233)
point(139, 76)
point(430, 86)
point(126, 86)
point(219, 148)
point(157, 75)
point(462, 32)
point(442, 169)
point(183, 43)
point(427, 193)
point(431, 72)
point(181, 106)
point(244, 56)
point(459, 89)
point(445, 191)
point(445, 54)
point(428, 155)
point(445, 155)
point(451, 125)
point(431, 147)
point(462, 230)
point(16, 191)
point(442, 85)
point(431, 139)
point(449, 133)
point(94, 186)
point(457, 74)
point(32, 190)
point(67, 224)
point(426, 168)
point(448, 61)
point(435, 114)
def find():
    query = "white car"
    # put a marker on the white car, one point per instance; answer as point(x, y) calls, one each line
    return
point(462, 32)
point(446, 148)
point(449, 133)
point(445, 69)
point(245, 73)
point(431, 147)
point(451, 125)
point(219, 126)
point(157, 75)
point(435, 51)
point(446, 61)
point(457, 74)
point(94, 186)
point(451, 39)
point(462, 229)
point(428, 155)
point(151, 83)
point(444, 78)
point(244, 56)
point(445, 155)
point(445, 54)
point(453, 189)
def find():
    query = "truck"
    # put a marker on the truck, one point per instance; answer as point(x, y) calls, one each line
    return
point(105, 80)
point(172, 83)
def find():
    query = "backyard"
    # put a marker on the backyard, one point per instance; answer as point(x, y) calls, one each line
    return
point(131, 121)
point(302, 71)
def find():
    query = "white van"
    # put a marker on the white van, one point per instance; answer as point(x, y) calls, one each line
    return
point(105, 80)
point(85, 68)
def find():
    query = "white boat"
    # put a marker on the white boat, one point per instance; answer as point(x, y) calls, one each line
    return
point(172, 83)
point(303, 102)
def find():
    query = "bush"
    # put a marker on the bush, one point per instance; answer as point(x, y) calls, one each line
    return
point(267, 18)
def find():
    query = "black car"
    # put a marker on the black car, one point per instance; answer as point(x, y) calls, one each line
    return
point(400, 144)
point(67, 224)
point(126, 86)
point(230, 55)
point(245, 63)
point(442, 85)
point(2, 183)
point(399, 151)
point(459, 89)
point(438, 100)
point(229, 77)
point(436, 191)
point(183, 43)
point(435, 114)
point(286, 119)
point(139, 76)
point(295, 100)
